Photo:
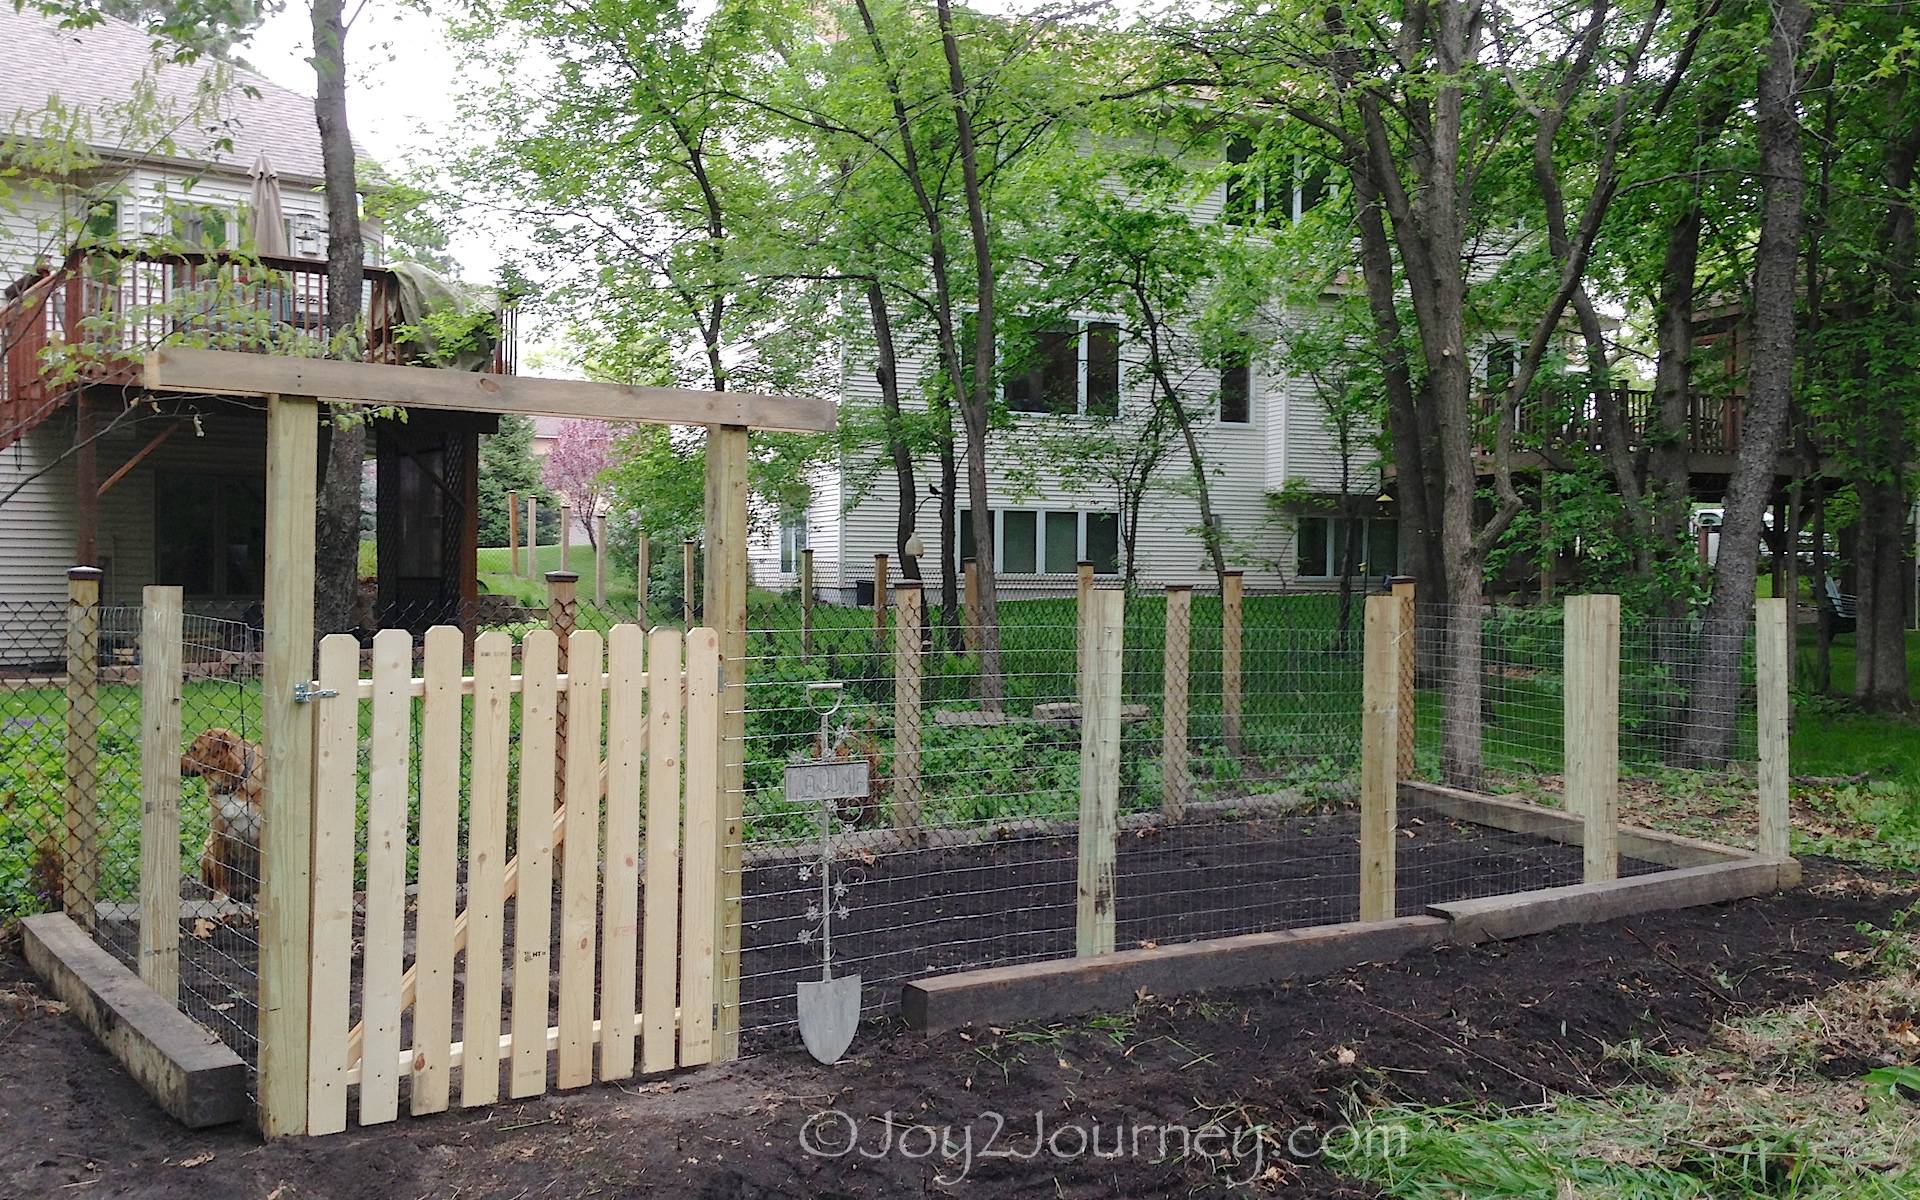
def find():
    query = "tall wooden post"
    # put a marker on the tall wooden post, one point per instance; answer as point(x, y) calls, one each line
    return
point(80, 848)
point(286, 792)
point(1771, 705)
point(1175, 689)
point(642, 577)
point(806, 603)
point(970, 606)
point(533, 537)
point(599, 562)
point(566, 537)
point(726, 613)
point(1403, 591)
point(880, 600)
point(1099, 773)
point(1232, 612)
point(1379, 751)
point(1083, 613)
point(907, 690)
point(1592, 728)
point(160, 628)
point(513, 533)
point(687, 606)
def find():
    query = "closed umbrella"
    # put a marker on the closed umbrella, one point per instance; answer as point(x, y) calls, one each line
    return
point(269, 228)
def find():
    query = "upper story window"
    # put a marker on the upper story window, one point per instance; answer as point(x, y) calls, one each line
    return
point(1068, 369)
point(1267, 191)
point(103, 221)
point(1236, 390)
point(1322, 545)
point(203, 227)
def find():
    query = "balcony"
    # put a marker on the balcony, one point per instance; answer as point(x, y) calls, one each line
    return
point(1713, 423)
point(91, 321)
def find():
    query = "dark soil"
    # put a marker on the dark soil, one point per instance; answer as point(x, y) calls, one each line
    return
point(1004, 898)
point(1498, 1023)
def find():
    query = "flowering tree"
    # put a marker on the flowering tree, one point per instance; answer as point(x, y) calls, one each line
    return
point(576, 468)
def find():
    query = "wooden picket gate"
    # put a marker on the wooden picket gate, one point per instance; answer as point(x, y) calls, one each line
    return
point(649, 936)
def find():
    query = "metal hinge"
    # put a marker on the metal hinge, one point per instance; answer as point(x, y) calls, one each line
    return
point(306, 693)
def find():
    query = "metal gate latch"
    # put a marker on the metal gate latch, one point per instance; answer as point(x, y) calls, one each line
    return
point(306, 693)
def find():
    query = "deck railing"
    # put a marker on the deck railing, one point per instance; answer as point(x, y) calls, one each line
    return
point(93, 319)
point(1713, 422)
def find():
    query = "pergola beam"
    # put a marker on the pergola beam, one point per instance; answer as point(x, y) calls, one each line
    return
point(230, 373)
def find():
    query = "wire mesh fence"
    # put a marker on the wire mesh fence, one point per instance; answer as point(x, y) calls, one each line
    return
point(1236, 756)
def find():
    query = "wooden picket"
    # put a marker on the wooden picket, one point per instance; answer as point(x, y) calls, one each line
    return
point(625, 919)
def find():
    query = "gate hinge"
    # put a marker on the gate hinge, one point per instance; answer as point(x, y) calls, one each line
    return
point(306, 693)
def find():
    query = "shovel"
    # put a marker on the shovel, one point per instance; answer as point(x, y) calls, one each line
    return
point(830, 1009)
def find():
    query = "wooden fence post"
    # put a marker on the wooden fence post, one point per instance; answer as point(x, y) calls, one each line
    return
point(80, 844)
point(726, 613)
point(1403, 591)
point(880, 600)
point(806, 603)
point(1592, 728)
point(970, 606)
point(1379, 752)
point(600, 562)
point(642, 577)
point(513, 532)
point(1232, 616)
point(1083, 614)
point(1771, 650)
point(1175, 689)
point(687, 608)
point(907, 690)
point(160, 622)
point(1099, 773)
point(286, 794)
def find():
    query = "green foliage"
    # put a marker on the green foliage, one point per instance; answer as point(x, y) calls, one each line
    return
point(508, 464)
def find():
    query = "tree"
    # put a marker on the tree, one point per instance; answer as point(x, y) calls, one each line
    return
point(576, 468)
point(508, 464)
point(336, 544)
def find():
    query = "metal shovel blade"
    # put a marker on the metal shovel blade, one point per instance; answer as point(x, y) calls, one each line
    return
point(829, 1013)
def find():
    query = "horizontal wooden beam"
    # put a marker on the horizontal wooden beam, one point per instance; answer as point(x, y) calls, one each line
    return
point(187, 1071)
point(229, 373)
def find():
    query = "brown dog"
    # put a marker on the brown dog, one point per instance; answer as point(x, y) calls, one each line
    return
point(233, 768)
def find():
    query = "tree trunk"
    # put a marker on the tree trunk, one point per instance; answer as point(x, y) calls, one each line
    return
point(1716, 690)
point(886, 374)
point(1885, 573)
point(977, 400)
point(336, 543)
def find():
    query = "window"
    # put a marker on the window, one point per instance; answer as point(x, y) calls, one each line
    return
point(1019, 547)
point(1502, 361)
point(103, 221)
point(202, 228)
point(1068, 370)
point(1257, 192)
point(1236, 390)
point(793, 539)
point(1320, 544)
point(1050, 542)
point(210, 534)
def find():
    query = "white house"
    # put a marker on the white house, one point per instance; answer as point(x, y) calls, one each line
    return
point(1262, 434)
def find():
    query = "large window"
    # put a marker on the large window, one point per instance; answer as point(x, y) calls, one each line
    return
point(1271, 191)
point(1049, 541)
point(1321, 542)
point(1066, 370)
point(210, 534)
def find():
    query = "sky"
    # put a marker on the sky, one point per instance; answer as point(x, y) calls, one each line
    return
point(403, 76)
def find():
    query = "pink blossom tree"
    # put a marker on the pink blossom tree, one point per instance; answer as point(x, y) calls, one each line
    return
point(576, 469)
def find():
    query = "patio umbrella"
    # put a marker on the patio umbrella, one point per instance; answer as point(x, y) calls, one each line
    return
point(269, 228)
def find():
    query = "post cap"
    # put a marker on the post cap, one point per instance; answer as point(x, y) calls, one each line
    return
point(84, 573)
point(563, 577)
point(1179, 587)
point(1233, 572)
point(1394, 579)
point(905, 584)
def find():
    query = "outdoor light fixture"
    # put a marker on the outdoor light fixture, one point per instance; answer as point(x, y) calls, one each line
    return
point(914, 547)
